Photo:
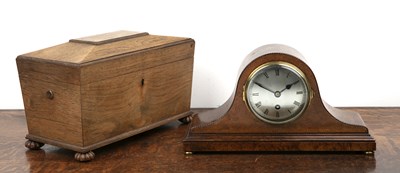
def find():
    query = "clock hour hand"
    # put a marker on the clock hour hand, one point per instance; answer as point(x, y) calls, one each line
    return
point(264, 87)
point(288, 86)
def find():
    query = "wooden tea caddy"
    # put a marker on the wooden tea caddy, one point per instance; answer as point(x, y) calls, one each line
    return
point(233, 127)
point(93, 91)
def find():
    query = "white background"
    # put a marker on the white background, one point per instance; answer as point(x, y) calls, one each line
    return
point(352, 46)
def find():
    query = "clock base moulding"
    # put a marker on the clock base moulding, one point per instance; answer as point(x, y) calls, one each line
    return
point(234, 127)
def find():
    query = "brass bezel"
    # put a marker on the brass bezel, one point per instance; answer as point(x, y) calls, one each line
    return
point(291, 67)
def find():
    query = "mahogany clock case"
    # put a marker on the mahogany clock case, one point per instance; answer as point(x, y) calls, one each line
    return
point(92, 91)
point(233, 127)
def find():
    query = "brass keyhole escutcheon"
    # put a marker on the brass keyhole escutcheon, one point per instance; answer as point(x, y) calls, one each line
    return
point(50, 94)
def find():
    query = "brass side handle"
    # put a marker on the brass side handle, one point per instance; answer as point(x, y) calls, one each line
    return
point(50, 94)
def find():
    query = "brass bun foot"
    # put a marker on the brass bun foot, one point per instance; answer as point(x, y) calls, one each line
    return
point(84, 157)
point(33, 145)
point(186, 120)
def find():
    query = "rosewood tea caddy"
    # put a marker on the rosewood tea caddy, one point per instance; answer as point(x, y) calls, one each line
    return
point(93, 91)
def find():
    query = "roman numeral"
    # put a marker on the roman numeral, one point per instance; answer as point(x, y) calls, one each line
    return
point(287, 76)
point(277, 71)
point(296, 103)
point(258, 104)
point(255, 94)
point(266, 75)
point(266, 111)
point(299, 92)
point(277, 114)
point(289, 111)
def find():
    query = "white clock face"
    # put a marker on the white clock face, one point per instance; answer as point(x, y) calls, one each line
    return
point(277, 92)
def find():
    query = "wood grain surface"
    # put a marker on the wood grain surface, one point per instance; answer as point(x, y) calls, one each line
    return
point(161, 150)
point(58, 118)
point(105, 88)
point(120, 104)
point(72, 53)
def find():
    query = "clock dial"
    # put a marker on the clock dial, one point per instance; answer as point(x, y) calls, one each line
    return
point(277, 92)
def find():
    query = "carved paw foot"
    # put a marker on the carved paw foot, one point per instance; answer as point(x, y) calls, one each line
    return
point(33, 145)
point(186, 120)
point(84, 157)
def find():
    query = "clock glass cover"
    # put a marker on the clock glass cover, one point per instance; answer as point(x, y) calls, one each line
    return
point(277, 92)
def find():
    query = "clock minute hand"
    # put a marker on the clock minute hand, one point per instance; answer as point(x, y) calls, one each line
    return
point(264, 87)
point(288, 86)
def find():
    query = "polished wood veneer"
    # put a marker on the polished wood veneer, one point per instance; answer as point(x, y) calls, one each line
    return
point(89, 92)
point(161, 150)
point(234, 126)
